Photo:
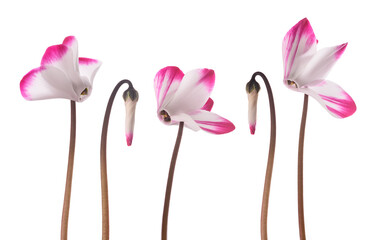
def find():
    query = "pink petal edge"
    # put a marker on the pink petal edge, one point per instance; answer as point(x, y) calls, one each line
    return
point(207, 78)
point(129, 139)
point(340, 50)
point(218, 127)
point(252, 128)
point(54, 54)
point(208, 105)
point(301, 29)
point(87, 61)
point(27, 80)
point(345, 107)
point(174, 74)
point(68, 41)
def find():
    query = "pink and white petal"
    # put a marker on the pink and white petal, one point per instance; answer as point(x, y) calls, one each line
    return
point(212, 122)
point(322, 62)
point(88, 68)
point(332, 97)
point(46, 83)
point(194, 91)
point(166, 83)
point(71, 43)
point(187, 119)
point(252, 111)
point(61, 57)
point(130, 120)
point(208, 105)
point(298, 47)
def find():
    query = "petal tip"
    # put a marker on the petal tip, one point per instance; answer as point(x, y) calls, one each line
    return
point(69, 40)
point(27, 81)
point(252, 128)
point(54, 53)
point(340, 50)
point(129, 139)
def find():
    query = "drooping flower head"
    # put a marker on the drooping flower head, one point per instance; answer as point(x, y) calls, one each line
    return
point(185, 98)
point(131, 98)
point(62, 74)
point(305, 69)
point(252, 89)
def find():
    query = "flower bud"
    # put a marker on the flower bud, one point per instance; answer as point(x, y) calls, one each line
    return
point(131, 97)
point(252, 89)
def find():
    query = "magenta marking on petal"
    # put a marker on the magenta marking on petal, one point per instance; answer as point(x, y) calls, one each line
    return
point(218, 127)
point(340, 50)
point(27, 80)
point(207, 78)
point(87, 61)
point(252, 128)
point(295, 34)
point(53, 54)
point(208, 105)
point(173, 74)
point(69, 40)
point(129, 139)
point(345, 107)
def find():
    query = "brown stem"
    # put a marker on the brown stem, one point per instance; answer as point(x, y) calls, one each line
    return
point(168, 190)
point(269, 167)
point(67, 193)
point(104, 175)
point(302, 232)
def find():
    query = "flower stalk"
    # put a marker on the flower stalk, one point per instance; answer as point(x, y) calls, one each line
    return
point(164, 227)
point(272, 147)
point(302, 232)
point(103, 165)
point(67, 193)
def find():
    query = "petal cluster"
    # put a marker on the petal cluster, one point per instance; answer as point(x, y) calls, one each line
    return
point(306, 69)
point(186, 98)
point(62, 74)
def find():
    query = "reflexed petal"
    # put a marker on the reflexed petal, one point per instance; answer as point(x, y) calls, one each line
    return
point(130, 120)
point(252, 110)
point(208, 105)
point(61, 57)
point(71, 43)
point(194, 91)
point(320, 65)
point(188, 121)
point(88, 68)
point(45, 83)
point(166, 83)
point(212, 122)
point(298, 46)
point(332, 97)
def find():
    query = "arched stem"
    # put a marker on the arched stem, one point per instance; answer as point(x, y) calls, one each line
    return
point(67, 193)
point(164, 227)
point(302, 232)
point(104, 175)
point(269, 167)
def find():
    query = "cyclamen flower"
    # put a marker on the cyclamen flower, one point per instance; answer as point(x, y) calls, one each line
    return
point(306, 69)
point(185, 98)
point(62, 74)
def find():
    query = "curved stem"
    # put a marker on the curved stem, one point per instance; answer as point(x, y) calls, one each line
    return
point(302, 232)
point(67, 193)
point(104, 175)
point(169, 183)
point(269, 167)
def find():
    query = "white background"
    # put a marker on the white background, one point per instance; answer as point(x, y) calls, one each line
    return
point(218, 183)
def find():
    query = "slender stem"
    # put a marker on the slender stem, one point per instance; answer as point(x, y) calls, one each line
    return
point(302, 232)
point(67, 193)
point(269, 167)
point(104, 175)
point(168, 190)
